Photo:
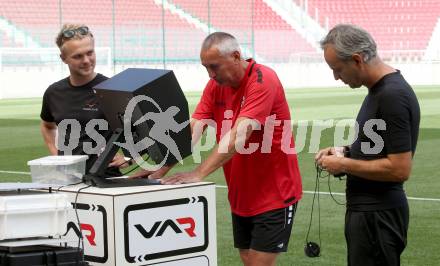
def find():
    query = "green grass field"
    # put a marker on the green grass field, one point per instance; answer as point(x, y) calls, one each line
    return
point(21, 141)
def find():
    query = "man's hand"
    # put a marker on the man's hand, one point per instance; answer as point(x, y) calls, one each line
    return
point(394, 168)
point(329, 159)
point(183, 178)
point(152, 174)
point(119, 161)
point(322, 153)
point(331, 164)
point(338, 151)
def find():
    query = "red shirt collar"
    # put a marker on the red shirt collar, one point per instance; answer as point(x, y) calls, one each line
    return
point(247, 72)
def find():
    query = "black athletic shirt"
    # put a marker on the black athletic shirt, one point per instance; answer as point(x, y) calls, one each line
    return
point(64, 101)
point(392, 100)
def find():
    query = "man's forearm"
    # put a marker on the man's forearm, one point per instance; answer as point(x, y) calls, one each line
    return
point(49, 135)
point(214, 161)
point(51, 145)
point(227, 147)
point(378, 170)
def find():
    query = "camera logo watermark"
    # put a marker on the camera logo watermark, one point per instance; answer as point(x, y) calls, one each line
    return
point(164, 122)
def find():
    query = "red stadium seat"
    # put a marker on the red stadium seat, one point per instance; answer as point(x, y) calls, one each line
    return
point(392, 22)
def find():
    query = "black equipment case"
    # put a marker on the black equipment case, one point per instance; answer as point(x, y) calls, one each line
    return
point(41, 255)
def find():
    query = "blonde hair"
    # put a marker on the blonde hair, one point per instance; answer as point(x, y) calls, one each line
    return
point(60, 39)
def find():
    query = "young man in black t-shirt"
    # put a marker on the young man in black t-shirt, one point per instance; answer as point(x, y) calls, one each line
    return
point(70, 106)
point(380, 159)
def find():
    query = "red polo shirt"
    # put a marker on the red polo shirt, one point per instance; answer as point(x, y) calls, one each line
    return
point(269, 177)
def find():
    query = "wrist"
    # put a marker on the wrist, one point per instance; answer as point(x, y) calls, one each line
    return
point(200, 171)
point(164, 169)
point(338, 151)
point(344, 165)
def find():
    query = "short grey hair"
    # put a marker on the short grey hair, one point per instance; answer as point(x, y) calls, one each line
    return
point(224, 42)
point(350, 39)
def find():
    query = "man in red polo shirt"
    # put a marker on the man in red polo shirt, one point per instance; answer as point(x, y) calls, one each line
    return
point(246, 102)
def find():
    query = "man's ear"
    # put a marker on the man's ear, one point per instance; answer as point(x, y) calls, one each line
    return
point(236, 55)
point(358, 59)
point(63, 58)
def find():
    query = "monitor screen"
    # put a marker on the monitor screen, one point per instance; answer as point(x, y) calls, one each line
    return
point(148, 114)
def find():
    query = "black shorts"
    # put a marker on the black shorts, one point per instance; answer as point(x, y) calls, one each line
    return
point(266, 232)
point(376, 237)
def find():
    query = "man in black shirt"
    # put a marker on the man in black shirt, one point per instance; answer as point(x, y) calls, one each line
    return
point(380, 159)
point(70, 105)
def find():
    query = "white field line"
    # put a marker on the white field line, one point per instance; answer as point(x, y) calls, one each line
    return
point(343, 194)
point(221, 186)
point(14, 172)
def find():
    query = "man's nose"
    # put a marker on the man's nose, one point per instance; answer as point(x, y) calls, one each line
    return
point(86, 59)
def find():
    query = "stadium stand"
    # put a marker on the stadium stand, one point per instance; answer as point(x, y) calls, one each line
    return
point(34, 17)
point(139, 22)
point(395, 24)
point(138, 30)
point(138, 36)
point(6, 41)
point(274, 39)
point(168, 34)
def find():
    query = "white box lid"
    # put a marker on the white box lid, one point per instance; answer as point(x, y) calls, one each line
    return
point(23, 186)
point(58, 160)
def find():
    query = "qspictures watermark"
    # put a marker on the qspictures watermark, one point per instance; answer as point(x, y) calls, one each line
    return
point(346, 131)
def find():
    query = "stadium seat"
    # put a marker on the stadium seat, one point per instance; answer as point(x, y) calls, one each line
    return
point(392, 22)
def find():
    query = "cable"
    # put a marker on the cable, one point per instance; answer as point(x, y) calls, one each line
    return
point(72, 184)
point(311, 211)
point(319, 172)
point(319, 215)
point(312, 249)
point(64, 186)
point(331, 194)
point(80, 237)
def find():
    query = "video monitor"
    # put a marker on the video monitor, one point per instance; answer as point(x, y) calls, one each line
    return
point(148, 114)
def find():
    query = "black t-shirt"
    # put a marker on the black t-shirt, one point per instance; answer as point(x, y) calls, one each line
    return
point(64, 101)
point(393, 102)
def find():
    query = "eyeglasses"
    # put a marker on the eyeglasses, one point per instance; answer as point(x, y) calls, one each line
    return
point(80, 30)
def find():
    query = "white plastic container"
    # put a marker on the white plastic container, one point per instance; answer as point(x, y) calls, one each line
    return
point(61, 170)
point(33, 215)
